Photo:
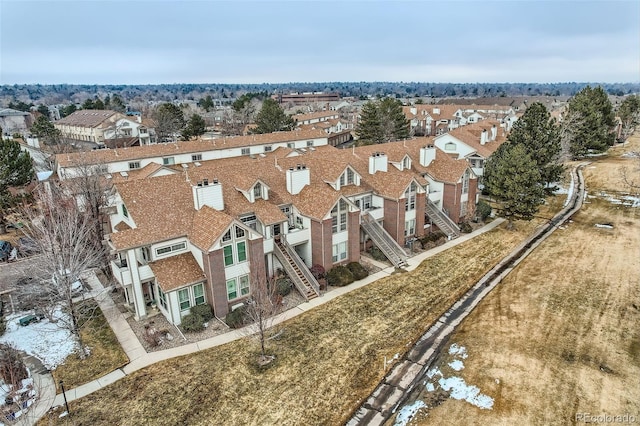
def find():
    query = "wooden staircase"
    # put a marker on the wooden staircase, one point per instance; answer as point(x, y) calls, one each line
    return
point(442, 221)
point(384, 241)
point(302, 278)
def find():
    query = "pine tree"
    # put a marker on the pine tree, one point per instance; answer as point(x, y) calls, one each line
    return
point(169, 120)
point(540, 136)
point(195, 127)
point(593, 131)
point(272, 118)
point(382, 121)
point(629, 113)
point(16, 169)
point(46, 131)
point(512, 176)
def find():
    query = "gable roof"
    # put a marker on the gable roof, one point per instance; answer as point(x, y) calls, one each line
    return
point(86, 118)
point(178, 271)
point(471, 133)
point(207, 226)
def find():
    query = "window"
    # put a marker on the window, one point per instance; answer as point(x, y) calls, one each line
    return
point(409, 227)
point(257, 191)
point(339, 252)
point(198, 294)
point(125, 212)
point(291, 145)
point(267, 148)
point(196, 157)
point(299, 222)
point(250, 221)
point(183, 298)
point(465, 182)
point(168, 249)
point(450, 146)
point(228, 255)
point(227, 236)
point(232, 289)
point(242, 251)
point(239, 232)
point(309, 143)
point(134, 165)
point(244, 285)
point(406, 163)
point(162, 297)
point(339, 217)
point(366, 202)
point(245, 151)
point(410, 196)
point(350, 177)
point(167, 161)
point(463, 208)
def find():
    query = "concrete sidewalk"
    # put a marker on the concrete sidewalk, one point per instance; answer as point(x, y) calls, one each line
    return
point(139, 358)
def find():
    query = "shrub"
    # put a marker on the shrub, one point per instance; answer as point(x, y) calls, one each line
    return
point(205, 311)
point(465, 228)
point(358, 271)
point(235, 318)
point(283, 286)
point(192, 323)
point(377, 254)
point(339, 276)
point(432, 237)
point(318, 271)
point(483, 210)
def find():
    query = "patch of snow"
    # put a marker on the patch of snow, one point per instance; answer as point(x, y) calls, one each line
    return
point(433, 372)
point(461, 351)
point(430, 387)
point(48, 342)
point(631, 154)
point(462, 391)
point(407, 412)
point(604, 225)
point(456, 365)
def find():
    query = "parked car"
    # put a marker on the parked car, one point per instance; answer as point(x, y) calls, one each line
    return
point(27, 246)
point(5, 250)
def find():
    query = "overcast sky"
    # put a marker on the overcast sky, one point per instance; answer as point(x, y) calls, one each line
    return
point(206, 41)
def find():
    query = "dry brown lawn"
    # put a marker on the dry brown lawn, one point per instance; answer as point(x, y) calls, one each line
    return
point(560, 335)
point(326, 359)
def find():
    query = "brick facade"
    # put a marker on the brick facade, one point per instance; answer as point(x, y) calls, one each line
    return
point(353, 227)
point(393, 221)
point(321, 239)
point(421, 202)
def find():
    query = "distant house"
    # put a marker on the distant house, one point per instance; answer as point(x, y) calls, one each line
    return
point(315, 117)
point(13, 121)
point(99, 126)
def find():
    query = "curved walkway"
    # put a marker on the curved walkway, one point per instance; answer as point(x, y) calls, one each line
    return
point(139, 358)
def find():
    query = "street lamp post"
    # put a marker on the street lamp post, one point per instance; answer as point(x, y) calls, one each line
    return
point(64, 395)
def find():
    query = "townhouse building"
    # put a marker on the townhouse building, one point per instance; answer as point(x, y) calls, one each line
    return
point(102, 126)
point(201, 232)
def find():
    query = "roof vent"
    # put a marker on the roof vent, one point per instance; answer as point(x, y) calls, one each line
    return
point(197, 164)
point(205, 182)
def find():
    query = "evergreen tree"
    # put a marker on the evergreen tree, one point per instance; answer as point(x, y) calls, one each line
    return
point(42, 109)
point(117, 104)
point(206, 103)
point(16, 169)
point(272, 118)
point(195, 127)
point(382, 121)
point(46, 132)
point(593, 129)
point(98, 104)
point(68, 110)
point(540, 136)
point(512, 176)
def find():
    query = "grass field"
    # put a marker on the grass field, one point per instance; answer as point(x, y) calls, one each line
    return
point(326, 359)
point(559, 336)
point(106, 353)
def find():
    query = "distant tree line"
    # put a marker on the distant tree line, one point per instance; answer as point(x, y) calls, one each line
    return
point(22, 95)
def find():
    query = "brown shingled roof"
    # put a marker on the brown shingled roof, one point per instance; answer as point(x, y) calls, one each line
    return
point(103, 156)
point(208, 225)
point(470, 135)
point(87, 118)
point(177, 271)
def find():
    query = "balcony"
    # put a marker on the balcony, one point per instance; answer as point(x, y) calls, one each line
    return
point(123, 274)
point(297, 236)
point(376, 212)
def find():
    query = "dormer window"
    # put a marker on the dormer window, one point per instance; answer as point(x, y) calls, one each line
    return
point(257, 191)
point(347, 178)
point(406, 163)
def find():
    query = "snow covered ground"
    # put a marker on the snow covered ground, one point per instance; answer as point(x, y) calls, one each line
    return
point(48, 342)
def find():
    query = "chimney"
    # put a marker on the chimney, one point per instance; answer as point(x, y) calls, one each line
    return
point(207, 193)
point(483, 137)
point(297, 178)
point(377, 163)
point(427, 155)
point(494, 132)
point(139, 118)
point(413, 110)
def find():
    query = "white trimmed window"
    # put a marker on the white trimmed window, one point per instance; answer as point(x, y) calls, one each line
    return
point(170, 249)
point(309, 143)
point(339, 252)
point(245, 151)
point(168, 161)
point(410, 196)
point(134, 165)
point(183, 299)
point(237, 287)
point(125, 212)
point(339, 217)
point(267, 148)
point(257, 191)
point(409, 227)
point(406, 163)
point(196, 157)
point(235, 252)
point(189, 296)
point(250, 221)
point(162, 297)
point(465, 182)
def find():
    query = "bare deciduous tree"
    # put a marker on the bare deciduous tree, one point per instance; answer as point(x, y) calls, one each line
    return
point(64, 234)
point(261, 308)
point(631, 176)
